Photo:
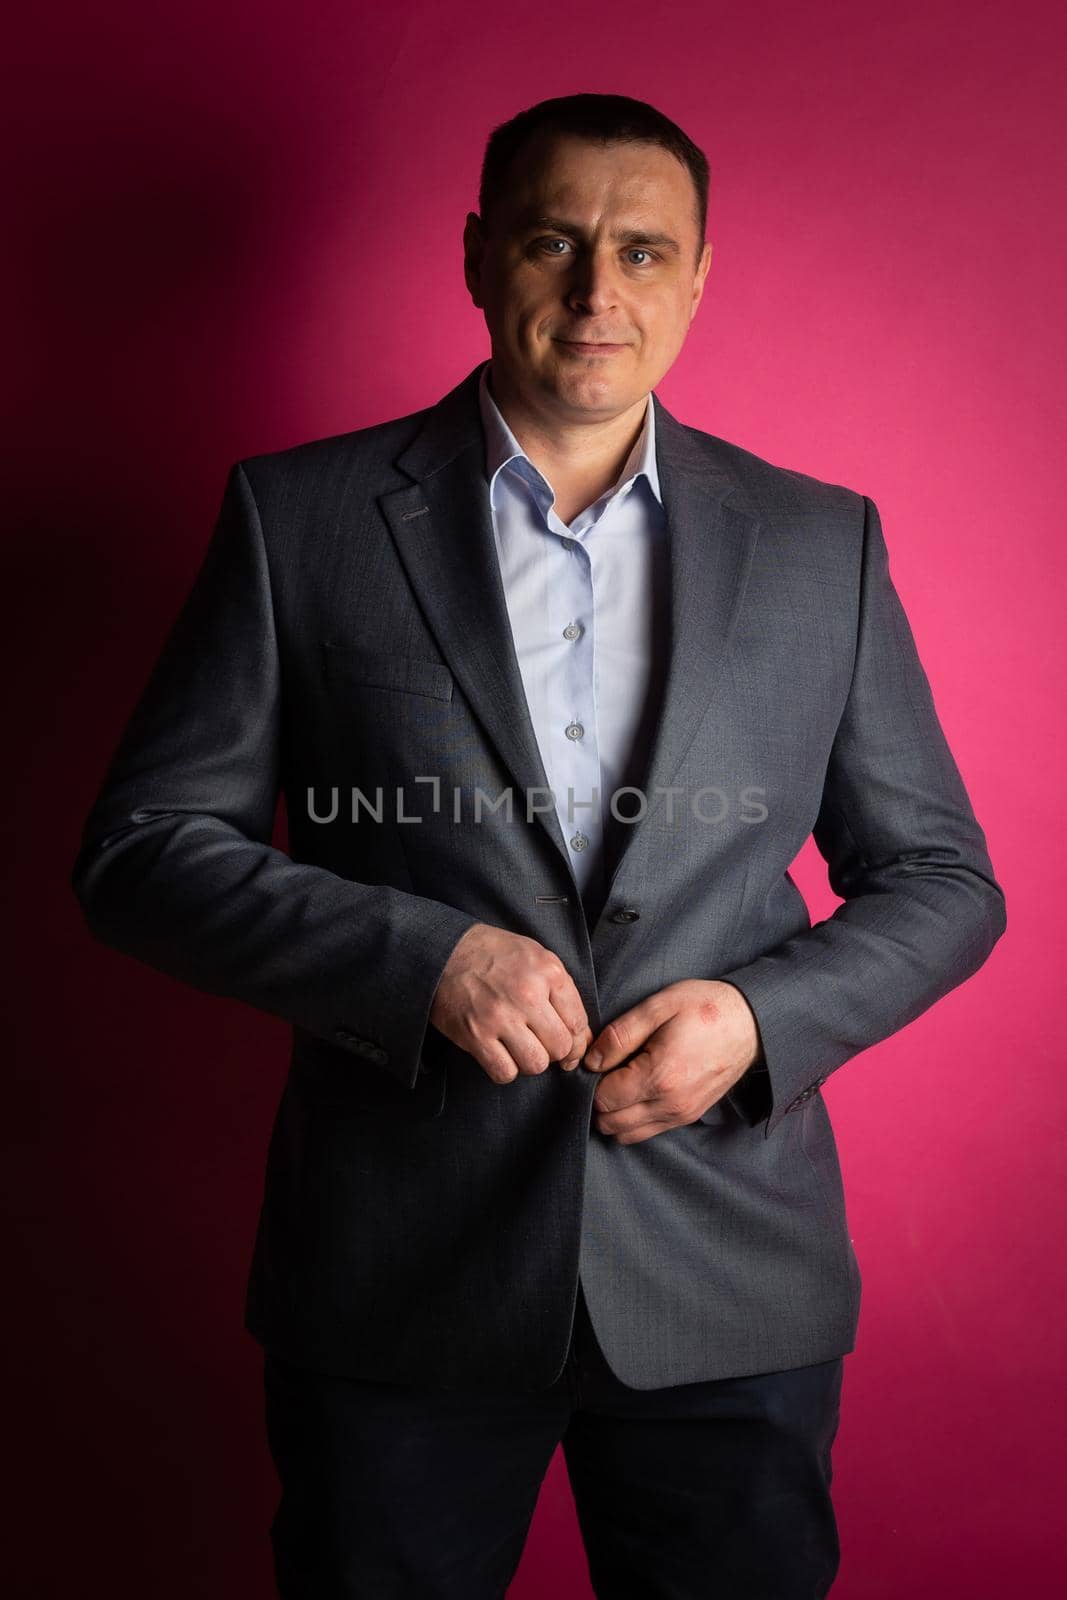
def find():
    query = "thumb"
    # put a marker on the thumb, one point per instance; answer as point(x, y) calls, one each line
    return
point(623, 1036)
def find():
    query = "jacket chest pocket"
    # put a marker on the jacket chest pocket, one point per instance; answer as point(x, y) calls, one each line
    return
point(353, 666)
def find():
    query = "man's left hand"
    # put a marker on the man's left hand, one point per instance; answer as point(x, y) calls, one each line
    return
point(687, 1045)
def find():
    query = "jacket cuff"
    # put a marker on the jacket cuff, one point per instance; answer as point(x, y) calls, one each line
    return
point(389, 1029)
point(788, 1074)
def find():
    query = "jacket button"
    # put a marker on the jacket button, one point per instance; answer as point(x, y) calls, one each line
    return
point(625, 916)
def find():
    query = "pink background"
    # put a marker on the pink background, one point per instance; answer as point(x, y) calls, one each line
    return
point(238, 229)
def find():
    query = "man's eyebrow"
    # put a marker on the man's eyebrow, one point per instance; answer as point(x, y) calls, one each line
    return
point(662, 241)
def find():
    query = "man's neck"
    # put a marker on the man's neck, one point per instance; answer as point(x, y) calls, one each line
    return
point(581, 460)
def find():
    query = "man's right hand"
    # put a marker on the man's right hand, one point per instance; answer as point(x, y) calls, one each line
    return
point(511, 1004)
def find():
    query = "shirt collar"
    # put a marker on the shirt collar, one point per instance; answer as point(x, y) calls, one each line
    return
point(502, 447)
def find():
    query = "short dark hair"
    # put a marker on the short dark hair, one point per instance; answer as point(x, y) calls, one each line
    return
point(603, 119)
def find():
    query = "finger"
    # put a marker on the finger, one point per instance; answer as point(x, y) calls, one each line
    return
point(582, 1042)
point(639, 1120)
point(628, 1085)
point(622, 1036)
point(649, 1131)
point(554, 1034)
point(567, 1005)
point(496, 1062)
point(526, 1051)
point(563, 993)
point(624, 1088)
point(578, 1045)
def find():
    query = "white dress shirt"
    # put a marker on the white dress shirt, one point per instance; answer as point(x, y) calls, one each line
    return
point(588, 611)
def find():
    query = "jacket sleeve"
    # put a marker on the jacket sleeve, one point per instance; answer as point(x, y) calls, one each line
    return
point(176, 867)
point(921, 907)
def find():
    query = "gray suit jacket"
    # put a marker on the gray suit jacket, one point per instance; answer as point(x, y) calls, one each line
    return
point(348, 630)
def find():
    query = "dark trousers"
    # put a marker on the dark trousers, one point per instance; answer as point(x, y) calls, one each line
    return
point(703, 1491)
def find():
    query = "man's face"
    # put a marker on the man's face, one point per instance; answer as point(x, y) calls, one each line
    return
point(591, 243)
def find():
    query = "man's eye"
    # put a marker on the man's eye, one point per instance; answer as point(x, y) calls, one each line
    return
point(635, 250)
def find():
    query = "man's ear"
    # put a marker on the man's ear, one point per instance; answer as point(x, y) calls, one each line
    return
point(473, 250)
point(701, 274)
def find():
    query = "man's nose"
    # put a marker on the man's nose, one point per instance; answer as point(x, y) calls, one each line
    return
point(594, 283)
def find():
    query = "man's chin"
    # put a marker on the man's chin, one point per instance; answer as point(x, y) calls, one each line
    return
point(592, 394)
point(569, 376)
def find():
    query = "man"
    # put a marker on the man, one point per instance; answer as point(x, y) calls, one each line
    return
point(551, 1162)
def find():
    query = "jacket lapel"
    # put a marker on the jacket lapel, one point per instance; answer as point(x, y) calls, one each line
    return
point(443, 529)
point(711, 542)
point(442, 526)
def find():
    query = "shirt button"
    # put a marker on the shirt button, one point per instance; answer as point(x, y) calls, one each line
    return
point(579, 841)
point(574, 730)
point(573, 630)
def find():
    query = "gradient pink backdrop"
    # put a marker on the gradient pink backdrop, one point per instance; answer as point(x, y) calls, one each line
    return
point(238, 229)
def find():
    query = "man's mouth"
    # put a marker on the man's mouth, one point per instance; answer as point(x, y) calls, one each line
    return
point(597, 348)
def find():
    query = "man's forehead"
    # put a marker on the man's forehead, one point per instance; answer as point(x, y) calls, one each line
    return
point(542, 192)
